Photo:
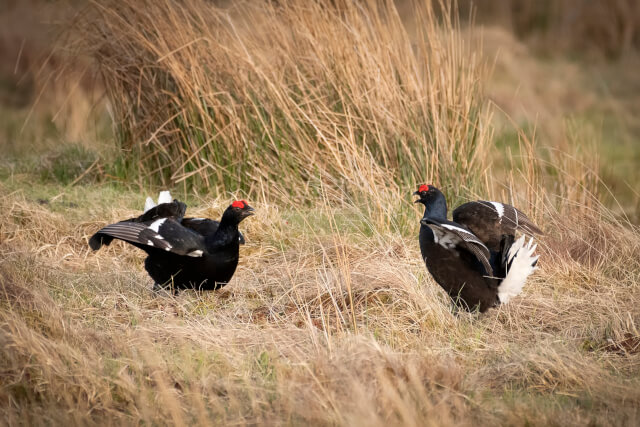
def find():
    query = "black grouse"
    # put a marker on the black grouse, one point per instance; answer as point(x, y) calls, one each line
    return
point(474, 257)
point(182, 252)
point(164, 208)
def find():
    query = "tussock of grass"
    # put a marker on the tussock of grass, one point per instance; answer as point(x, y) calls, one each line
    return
point(297, 98)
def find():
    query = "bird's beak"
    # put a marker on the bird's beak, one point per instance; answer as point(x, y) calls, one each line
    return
point(416, 193)
point(249, 211)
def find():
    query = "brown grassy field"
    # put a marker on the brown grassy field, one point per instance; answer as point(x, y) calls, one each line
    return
point(324, 118)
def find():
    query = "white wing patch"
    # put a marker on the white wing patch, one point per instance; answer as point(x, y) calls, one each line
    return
point(196, 253)
point(449, 241)
point(155, 225)
point(446, 240)
point(436, 239)
point(159, 243)
point(499, 207)
point(453, 227)
point(449, 236)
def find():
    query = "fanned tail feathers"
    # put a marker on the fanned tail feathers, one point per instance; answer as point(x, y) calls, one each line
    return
point(163, 197)
point(521, 263)
point(149, 204)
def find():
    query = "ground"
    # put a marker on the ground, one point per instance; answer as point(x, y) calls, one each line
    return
point(321, 324)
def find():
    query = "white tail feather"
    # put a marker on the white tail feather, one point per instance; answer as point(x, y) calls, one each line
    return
point(164, 197)
point(522, 260)
point(148, 204)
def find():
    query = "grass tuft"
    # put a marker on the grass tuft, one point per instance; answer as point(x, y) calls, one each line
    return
point(300, 98)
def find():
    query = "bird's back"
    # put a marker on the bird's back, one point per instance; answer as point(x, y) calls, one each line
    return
point(490, 221)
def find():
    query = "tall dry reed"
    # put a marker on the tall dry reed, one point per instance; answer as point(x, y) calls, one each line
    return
point(283, 98)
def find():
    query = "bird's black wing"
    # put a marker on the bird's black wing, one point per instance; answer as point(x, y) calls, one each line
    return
point(174, 210)
point(164, 233)
point(451, 235)
point(206, 227)
point(489, 221)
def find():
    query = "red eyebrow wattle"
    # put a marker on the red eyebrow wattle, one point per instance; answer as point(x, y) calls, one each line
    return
point(423, 187)
point(238, 204)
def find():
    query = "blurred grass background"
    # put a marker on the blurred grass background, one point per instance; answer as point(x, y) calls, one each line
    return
point(78, 89)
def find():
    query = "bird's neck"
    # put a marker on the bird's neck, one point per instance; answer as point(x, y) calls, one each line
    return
point(226, 234)
point(436, 209)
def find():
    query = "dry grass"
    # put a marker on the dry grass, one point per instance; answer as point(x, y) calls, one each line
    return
point(287, 97)
point(331, 318)
point(321, 324)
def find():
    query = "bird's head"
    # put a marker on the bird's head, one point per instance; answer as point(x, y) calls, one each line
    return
point(435, 204)
point(240, 209)
point(428, 194)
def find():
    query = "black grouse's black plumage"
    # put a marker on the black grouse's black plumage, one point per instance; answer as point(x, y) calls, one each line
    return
point(492, 220)
point(174, 210)
point(183, 252)
point(475, 258)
